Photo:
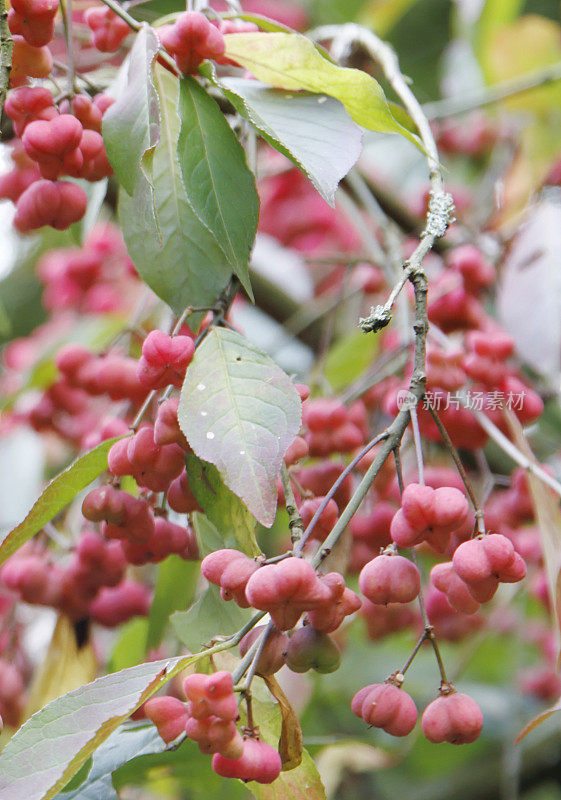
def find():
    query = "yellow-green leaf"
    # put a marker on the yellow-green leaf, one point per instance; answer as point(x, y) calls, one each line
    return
point(290, 61)
point(226, 511)
point(527, 45)
point(60, 491)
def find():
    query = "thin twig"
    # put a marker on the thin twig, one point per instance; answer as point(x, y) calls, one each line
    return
point(245, 663)
point(120, 12)
point(416, 649)
point(418, 446)
point(511, 450)
point(438, 218)
point(262, 640)
point(323, 505)
point(87, 82)
point(398, 469)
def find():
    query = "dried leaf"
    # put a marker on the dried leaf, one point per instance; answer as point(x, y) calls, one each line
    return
point(67, 665)
point(290, 743)
point(548, 516)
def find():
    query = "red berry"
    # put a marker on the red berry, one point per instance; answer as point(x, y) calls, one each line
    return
point(447, 580)
point(116, 605)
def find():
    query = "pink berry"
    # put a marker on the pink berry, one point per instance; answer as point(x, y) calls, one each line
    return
point(259, 762)
point(386, 706)
point(390, 579)
point(168, 714)
point(454, 718)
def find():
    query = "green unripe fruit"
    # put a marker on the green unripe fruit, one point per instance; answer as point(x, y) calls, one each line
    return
point(311, 649)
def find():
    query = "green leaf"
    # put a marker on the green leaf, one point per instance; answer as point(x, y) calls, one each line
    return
point(175, 588)
point(122, 746)
point(52, 745)
point(60, 491)
point(313, 131)
point(240, 412)
point(290, 61)
point(173, 252)
point(302, 783)
point(208, 537)
point(5, 324)
point(226, 512)
point(349, 357)
point(210, 616)
point(219, 185)
point(130, 648)
point(130, 125)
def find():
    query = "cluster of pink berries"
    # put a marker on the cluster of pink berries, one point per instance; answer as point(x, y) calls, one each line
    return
point(209, 718)
point(429, 515)
point(134, 530)
point(477, 568)
point(56, 143)
point(93, 584)
point(191, 40)
point(333, 428)
point(452, 717)
point(286, 590)
point(108, 31)
point(97, 278)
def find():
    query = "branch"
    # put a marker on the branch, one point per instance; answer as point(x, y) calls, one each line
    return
point(488, 95)
point(438, 218)
point(6, 51)
point(295, 523)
